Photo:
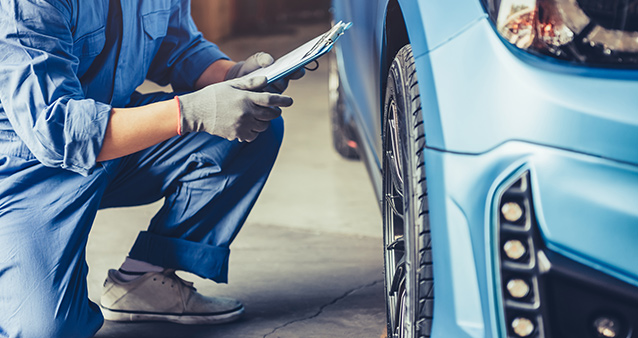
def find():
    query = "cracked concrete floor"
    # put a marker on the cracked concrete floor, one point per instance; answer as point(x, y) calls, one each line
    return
point(308, 262)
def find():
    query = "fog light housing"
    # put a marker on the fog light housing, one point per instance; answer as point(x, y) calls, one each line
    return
point(519, 266)
point(522, 326)
point(544, 294)
point(514, 249)
point(607, 327)
point(518, 288)
point(512, 211)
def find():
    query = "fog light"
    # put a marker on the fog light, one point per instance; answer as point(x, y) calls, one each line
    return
point(514, 249)
point(606, 327)
point(523, 327)
point(518, 288)
point(512, 211)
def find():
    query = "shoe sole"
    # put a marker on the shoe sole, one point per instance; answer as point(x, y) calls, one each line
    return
point(122, 316)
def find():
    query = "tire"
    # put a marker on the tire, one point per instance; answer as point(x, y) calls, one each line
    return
point(343, 139)
point(407, 243)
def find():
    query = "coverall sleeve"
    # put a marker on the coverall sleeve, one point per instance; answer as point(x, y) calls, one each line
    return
point(40, 92)
point(184, 53)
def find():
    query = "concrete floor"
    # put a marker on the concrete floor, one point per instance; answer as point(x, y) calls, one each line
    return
point(308, 262)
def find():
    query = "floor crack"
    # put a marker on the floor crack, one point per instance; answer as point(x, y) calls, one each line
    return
point(320, 311)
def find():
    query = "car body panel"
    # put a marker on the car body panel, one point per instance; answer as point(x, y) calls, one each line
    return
point(513, 100)
point(461, 202)
point(587, 209)
point(431, 24)
point(362, 44)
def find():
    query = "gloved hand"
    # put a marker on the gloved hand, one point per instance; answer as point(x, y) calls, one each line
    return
point(262, 60)
point(254, 62)
point(232, 109)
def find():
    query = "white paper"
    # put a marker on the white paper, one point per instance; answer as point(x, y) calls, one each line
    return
point(289, 61)
point(302, 55)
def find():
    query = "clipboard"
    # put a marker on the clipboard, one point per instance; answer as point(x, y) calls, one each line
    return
point(303, 55)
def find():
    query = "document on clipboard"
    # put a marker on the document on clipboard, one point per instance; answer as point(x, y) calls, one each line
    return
point(303, 55)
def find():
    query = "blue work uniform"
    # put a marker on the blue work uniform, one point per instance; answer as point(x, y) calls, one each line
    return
point(63, 65)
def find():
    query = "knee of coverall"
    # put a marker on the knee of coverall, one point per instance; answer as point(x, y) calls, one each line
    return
point(270, 140)
point(45, 325)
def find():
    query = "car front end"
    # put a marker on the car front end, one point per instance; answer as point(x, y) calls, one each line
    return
point(531, 121)
point(560, 141)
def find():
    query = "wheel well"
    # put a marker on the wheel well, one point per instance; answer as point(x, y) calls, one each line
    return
point(395, 37)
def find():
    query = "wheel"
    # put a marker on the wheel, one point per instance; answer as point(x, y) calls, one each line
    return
point(342, 136)
point(407, 246)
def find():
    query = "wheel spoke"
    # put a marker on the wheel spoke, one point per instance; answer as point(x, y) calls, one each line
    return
point(392, 166)
point(398, 278)
point(390, 200)
point(394, 143)
point(398, 244)
point(401, 312)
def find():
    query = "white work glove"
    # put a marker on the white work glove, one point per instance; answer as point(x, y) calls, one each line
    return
point(234, 109)
point(262, 60)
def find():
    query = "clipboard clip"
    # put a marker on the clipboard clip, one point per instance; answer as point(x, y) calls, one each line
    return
point(329, 38)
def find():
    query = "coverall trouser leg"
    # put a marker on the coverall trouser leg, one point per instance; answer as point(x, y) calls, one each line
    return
point(209, 186)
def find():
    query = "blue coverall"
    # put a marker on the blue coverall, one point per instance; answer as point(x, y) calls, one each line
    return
point(63, 65)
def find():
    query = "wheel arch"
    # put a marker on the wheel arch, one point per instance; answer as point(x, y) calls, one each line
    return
point(405, 23)
point(395, 36)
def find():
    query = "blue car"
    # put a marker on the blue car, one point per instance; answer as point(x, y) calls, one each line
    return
point(501, 138)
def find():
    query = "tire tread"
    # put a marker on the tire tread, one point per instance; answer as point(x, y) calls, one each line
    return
point(425, 277)
point(403, 87)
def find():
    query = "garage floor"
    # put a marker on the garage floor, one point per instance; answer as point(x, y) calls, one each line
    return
point(308, 262)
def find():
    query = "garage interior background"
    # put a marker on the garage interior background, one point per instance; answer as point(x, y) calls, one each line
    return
point(219, 19)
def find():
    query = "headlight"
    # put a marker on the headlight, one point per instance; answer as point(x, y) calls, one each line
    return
point(595, 32)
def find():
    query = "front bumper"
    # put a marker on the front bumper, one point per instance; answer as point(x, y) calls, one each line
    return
point(585, 210)
point(491, 115)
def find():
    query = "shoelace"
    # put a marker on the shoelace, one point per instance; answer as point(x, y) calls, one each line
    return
point(171, 275)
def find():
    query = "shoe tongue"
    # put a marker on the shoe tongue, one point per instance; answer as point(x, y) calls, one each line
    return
point(171, 274)
point(168, 272)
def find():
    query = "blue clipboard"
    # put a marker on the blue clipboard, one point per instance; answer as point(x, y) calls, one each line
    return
point(303, 55)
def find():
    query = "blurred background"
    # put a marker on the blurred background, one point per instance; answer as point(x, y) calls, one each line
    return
point(309, 260)
point(219, 19)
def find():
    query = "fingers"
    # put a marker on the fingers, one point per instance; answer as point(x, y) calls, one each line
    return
point(262, 59)
point(277, 87)
point(265, 114)
point(260, 126)
point(280, 85)
point(271, 100)
point(252, 84)
point(247, 136)
point(250, 134)
point(260, 83)
point(298, 74)
point(256, 61)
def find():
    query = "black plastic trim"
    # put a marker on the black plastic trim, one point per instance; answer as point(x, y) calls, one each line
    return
point(566, 297)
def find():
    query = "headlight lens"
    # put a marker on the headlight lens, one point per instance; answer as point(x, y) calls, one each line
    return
point(595, 32)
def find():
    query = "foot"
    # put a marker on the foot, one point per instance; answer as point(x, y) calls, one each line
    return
point(163, 296)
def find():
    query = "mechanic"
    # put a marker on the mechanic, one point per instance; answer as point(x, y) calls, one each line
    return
point(76, 137)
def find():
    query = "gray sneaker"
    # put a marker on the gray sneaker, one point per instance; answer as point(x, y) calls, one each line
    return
point(163, 296)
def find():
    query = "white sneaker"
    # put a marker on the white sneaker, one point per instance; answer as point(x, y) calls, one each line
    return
point(163, 296)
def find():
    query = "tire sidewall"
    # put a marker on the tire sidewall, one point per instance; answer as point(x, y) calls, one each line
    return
point(402, 88)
